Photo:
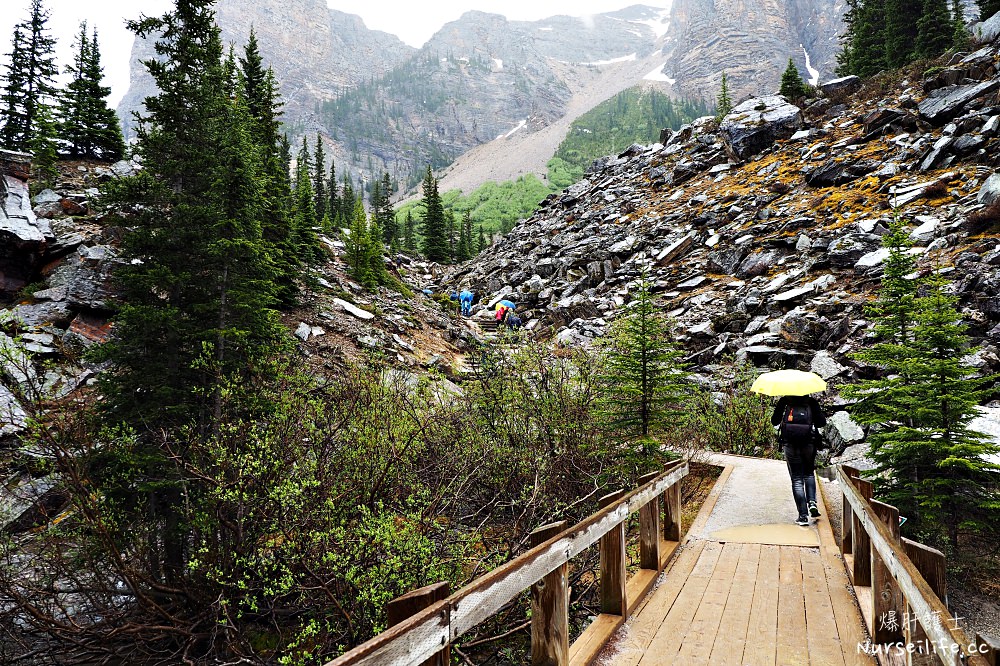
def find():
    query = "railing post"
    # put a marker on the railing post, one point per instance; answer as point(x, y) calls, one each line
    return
point(672, 513)
point(550, 607)
point(862, 543)
point(889, 612)
point(930, 562)
point(613, 577)
point(411, 603)
point(989, 648)
point(649, 529)
point(847, 521)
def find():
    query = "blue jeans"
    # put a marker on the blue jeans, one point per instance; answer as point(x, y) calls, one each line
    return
point(801, 461)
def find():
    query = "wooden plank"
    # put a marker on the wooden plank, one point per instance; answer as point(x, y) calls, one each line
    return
point(989, 648)
point(550, 607)
point(403, 608)
point(952, 641)
point(790, 645)
point(704, 629)
point(764, 610)
point(585, 649)
point(850, 628)
point(822, 635)
point(653, 611)
point(412, 641)
point(889, 606)
point(671, 634)
point(732, 636)
point(613, 573)
point(931, 564)
point(672, 528)
point(847, 519)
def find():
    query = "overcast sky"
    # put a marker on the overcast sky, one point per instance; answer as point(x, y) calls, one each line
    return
point(414, 22)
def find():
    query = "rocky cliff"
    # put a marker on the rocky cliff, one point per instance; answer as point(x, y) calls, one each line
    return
point(315, 51)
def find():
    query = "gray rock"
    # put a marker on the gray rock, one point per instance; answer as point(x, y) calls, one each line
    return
point(725, 262)
point(844, 85)
point(757, 123)
point(353, 309)
point(842, 432)
point(925, 232)
point(990, 191)
point(946, 103)
point(855, 455)
point(303, 331)
point(824, 365)
point(834, 172)
point(987, 31)
point(46, 196)
point(13, 418)
point(757, 264)
point(847, 250)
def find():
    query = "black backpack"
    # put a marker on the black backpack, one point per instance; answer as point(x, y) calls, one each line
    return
point(797, 423)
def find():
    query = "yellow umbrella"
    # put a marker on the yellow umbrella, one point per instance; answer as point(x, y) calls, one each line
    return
point(788, 382)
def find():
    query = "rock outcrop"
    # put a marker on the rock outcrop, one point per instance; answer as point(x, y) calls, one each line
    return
point(23, 236)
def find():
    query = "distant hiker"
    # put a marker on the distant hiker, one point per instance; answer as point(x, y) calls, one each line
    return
point(501, 313)
point(797, 418)
point(466, 298)
point(513, 321)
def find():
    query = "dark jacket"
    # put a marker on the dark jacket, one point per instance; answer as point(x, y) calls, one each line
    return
point(819, 420)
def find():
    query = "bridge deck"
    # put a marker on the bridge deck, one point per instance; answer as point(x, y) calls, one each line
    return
point(748, 588)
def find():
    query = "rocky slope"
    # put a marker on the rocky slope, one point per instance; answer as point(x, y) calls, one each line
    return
point(762, 234)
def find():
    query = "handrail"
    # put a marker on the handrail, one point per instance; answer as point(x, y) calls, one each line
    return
point(421, 637)
point(950, 643)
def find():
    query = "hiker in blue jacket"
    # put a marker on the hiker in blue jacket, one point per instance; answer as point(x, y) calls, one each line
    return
point(797, 418)
point(466, 298)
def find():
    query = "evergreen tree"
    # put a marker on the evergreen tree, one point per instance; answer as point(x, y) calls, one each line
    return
point(900, 31)
point(87, 123)
point(464, 251)
point(385, 214)
point(644, 377)
point(358, 247)
point(333, 206)
point(436, 244)
point(481, 242)
point(987, 8)
point(792, 85)
point(319, 179)
point(304, 223)
point(960, 39)
point(450, 228)
point(264, 107)
point(929, 463)
point(43, 147)
point(348, 200)
point(409, 240)
point(864, 51)
point(723, 103)
point(935, 29)
point(29, 82)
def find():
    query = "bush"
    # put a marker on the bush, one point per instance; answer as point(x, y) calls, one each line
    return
point(734, 419)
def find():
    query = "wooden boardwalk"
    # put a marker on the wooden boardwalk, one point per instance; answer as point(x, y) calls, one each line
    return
point(741, 603)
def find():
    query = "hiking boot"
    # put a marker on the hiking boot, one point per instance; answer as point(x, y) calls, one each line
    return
point(814, 510)
point(802, 520)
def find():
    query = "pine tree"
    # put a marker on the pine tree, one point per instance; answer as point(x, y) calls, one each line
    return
point(43, 146)
point(864, 51)
point(333, 205)
point(319, 179)
point(935, 29)
point(87, 123)
point(464, 251)
point(960, 39)
point(481, 243)
point(436, 244)
point(901, 18)
point(409, 240)
point(792, 85)
point(723, 103)
point(304, 223)
point(450, 228)
point(358, 251)
point(987, 8)
point(929, 463)
point(644, 377)
point(385, 214)
point(30, 80)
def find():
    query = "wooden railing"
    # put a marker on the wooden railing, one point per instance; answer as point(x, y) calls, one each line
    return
point(901, 585)
point(436, 620)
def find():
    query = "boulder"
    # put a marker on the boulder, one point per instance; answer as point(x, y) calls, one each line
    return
point(33, 315)
point(987, 31)
point(757, 123)
point(841, 432)
point(725, 262)
point(845, 85)
point(23, 237)
point(946, 103)
point(13, 418)
point(834, 172)
point(757, 264)
point(824, 365)
point(847, 250)
point(990, 191)
point(353, 309)
point(87, 276)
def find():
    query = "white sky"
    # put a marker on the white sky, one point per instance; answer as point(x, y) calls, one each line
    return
point(414, 22)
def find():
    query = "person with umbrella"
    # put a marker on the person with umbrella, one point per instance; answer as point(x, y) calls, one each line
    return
point(465, 298)
point(797, 415)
